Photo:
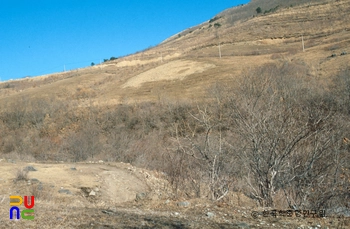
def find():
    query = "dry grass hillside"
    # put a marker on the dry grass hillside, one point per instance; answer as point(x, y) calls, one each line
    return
point(243, 113)
point(245, 43)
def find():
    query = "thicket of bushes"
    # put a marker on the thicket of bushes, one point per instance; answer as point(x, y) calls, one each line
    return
point(276, 134)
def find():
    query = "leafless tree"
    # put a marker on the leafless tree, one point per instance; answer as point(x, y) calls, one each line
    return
point(287, 136)
point(205, 144)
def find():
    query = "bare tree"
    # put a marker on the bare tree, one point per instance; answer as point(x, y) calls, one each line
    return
point(284, 137)
point(205, 144)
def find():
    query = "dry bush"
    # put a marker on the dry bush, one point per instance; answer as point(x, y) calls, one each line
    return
point(14, 117)
point(84, 93)
point(8, 144)
point(286, 137)
point(276, 131)
point(84, 142)
point(294, 50)
point(21, 175)
point(107, 79)
point(340, 91)
point(41, 192)
point(28, 113)
point(274, 134)
point(198, 162)
point(276, 56)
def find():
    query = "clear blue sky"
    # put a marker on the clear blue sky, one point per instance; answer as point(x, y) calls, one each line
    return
point(41, 36)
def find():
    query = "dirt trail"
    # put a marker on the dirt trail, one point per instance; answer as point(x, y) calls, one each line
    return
point(111, 183)
point(100, 195)
point(121, 186)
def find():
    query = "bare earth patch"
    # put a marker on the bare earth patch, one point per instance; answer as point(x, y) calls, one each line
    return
point(134, 62)
point(175, 70)
point(102, 195)
point(112, 183)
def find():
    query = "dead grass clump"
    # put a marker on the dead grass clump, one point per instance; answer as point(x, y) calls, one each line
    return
point(276, 56)
point(41, 192)
point(83, 93)
point(333, 47)
point(8, 144)
point(293, 50)
point(21, 175)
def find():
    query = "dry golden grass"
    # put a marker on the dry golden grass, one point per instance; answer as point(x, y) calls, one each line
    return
point(245, 44)
point(175, 70)
point(180, 69)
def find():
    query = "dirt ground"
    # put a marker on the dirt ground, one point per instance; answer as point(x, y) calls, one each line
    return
point(170, 71)
point(118, 195)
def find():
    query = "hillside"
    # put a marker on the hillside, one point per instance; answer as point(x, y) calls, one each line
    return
point(243, 113)
point(245, 43)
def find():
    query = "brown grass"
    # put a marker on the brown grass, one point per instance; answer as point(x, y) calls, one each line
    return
point(21, 175)
point(148, 111)
point(277, 33)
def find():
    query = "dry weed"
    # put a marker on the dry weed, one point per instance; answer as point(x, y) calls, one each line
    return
point(21, 175)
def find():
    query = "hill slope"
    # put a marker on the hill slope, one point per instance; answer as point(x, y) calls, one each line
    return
point(242, 112)
point(245, 42)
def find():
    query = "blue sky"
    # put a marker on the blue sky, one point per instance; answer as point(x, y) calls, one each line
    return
point(42, 36)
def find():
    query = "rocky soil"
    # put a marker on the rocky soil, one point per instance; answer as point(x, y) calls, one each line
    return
point(118, 195)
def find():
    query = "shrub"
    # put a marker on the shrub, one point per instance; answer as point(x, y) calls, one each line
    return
point(258, 10)
point(214, 19)
point(41, 192)
point(9, 86)
point(21, 174)
point(217, 25)
point(271, 10)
